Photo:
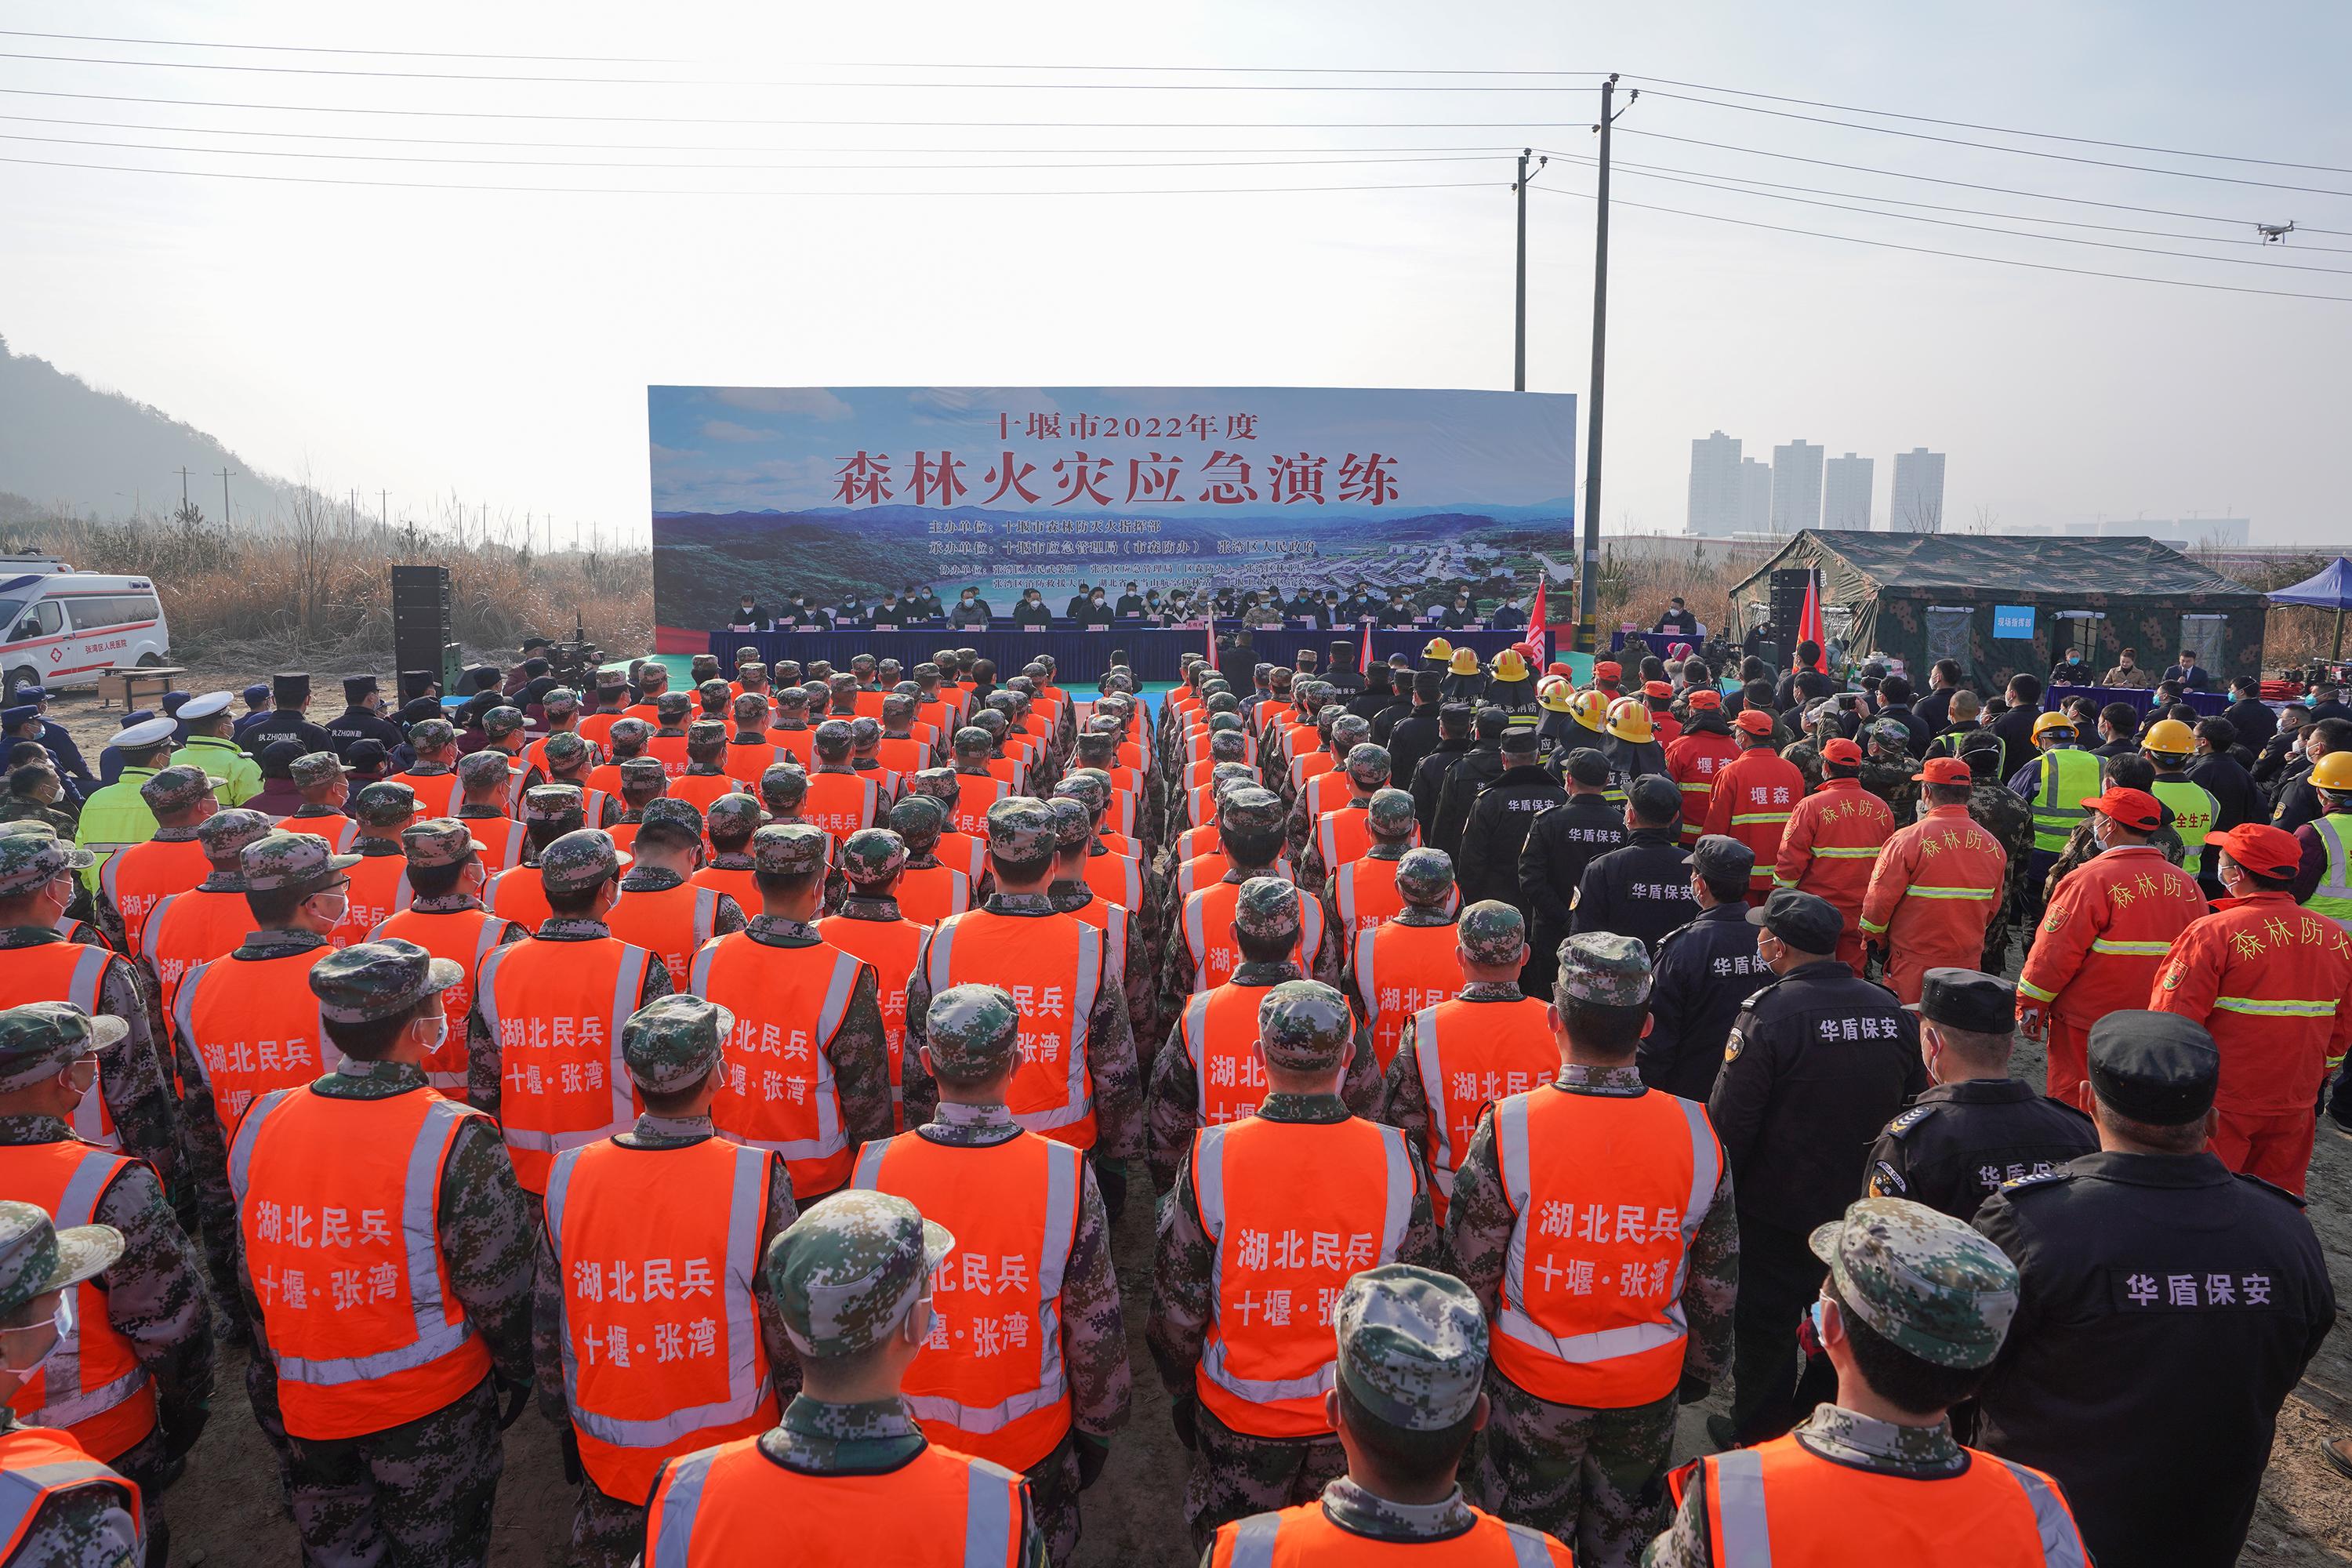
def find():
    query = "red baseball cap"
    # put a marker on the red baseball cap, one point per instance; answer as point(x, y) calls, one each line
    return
point(1705, 697)
point(1943, 770)
point(2133, 808)
point(1755, 720)
point(1841, 750)
point(1607, 670)
point(1558, 667)
point(1656, 688)
point(2261, 848)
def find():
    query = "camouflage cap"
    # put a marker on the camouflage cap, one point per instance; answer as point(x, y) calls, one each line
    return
point(783, 786)
point(706, 736)
point(560, 699)
point(1426, 878)
point(733, 815)
point(500, 721)
point(991, 722)
point(1225, 777)
point(553, 802)
point(630, 732)
point(1219, 724)
point(845, 1275)
point(864, 731)
point(373, 980)
point(1074, 824)
point(713, 695)
point(1228, 746)
point(671, 820)
point(1890, 737)
point(973, 1031)
point(1020, 827)
point(641, 775)
point(278, 861)
point(481, 770)
point(1367, 764)
point(1250, 809)
point(40, 1039)
point(940, 784)
point(919, 819)
point(1222, 702)
point(35, 1258)
point(751, 711)
point(176, 789)
point(580, 861)
point(672, 1043)
point(313, 769)
point(1934, 1286)
point(897, 708)
point(973, 741)
point(787, 849)
point(1349, 730)
point(672, 707)
point(225, 833)
point(1602, 966)
point(564, 749)
point(652, 675)
point(1492, 931)
point(1303, 1026)
point(795, 698)
point(432, 735)
point(1089, 787)
point(702, 665)
point(1412, 1346)
point(383, 803)
point(1389, 816)
point(872, 855)
point(439, 841)
point(32, 860)
point(1267, 906)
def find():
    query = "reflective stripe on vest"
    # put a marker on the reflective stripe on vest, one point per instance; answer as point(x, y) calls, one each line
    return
point(2129, 949)
point(1740, 1511)
point(628, 983)
point(2069, 777)
point(91, 1119)
point(1077, 1103)
point(1438, 1075)
point(1489, 1543)
point(1422, 972)
point(65, 1396)
point(36, 1464)
point(2333, 897)
point(747, 1481)
point(1239, 1087)
point(2272, 1008)
point(829, 1137)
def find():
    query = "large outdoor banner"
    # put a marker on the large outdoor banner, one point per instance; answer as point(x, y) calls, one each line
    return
point(840, 491)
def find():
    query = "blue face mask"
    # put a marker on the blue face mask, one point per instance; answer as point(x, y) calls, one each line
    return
point(1819, 1333)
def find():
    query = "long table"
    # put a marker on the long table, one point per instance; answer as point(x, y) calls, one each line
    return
point(1154, 653)
point(2140, 697)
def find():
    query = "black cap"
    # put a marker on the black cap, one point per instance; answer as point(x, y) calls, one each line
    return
point(1968, 999)
point(2157, 1068)
point(277, 759)
point(1587, 767)
point(1454, 717)
point(290, 686)
point(358, 686)
point(1719, 857)
point(1490, 723)
point(1803, 921)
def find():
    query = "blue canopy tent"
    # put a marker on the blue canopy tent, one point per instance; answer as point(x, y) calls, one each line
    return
point(2331, 589)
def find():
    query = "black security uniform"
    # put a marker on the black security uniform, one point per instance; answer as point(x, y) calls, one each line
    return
point(356, 723)
point(1488, 864)
point(1703, 975)
point(1563, 841)
point(1642, 888)
point(1815, 1064)
point(286, 723)
point(1412, 735)
point(1429, 779)
point(1956, 1147)
point(1476, 768)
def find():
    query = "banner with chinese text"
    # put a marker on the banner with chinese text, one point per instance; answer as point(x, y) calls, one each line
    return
point(844, 492)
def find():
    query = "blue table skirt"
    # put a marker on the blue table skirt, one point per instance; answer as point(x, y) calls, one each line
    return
point(1154, 653)
point(2143, 699)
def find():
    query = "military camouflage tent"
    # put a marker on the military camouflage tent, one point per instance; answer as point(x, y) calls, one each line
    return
point(1999, 604)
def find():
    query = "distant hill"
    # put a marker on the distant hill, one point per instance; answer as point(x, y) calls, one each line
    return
point(68, 447)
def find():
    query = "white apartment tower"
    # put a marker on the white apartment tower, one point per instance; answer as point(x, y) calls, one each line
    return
point(1796, 487)
point(1845, 493)
point(1715, 495)
point(1918, 503)
point(1754, 495)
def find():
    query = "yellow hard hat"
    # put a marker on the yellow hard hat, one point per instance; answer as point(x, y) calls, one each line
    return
point(1553, 693)
point(2169, 737)
point(2050, 724)
point(1629, 720)
point(1509, 665)
point(1591, 710)
point(1464, 662)
point(2333, 772)
point(1438, 648)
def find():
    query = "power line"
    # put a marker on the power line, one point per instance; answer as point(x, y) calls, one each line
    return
point(1962, 255)
point(321, 49)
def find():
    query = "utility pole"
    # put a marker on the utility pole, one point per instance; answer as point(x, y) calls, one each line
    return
point(383, 509)
point(1588, 587)
point(1520, 334)
point(184, 486)
point(224, 475)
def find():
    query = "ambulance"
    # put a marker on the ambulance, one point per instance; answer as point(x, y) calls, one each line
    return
point(63, 627)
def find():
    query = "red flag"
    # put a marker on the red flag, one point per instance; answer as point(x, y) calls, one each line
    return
point(1536, 626)
point(1809, 619)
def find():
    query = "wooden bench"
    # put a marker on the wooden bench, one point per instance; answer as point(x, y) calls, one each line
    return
point(138, 681)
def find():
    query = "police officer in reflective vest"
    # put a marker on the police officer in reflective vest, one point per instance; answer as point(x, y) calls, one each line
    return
point(1269, 1218)
point(1593, 1215)
point(1913, 1309)
point(386, 1253)
point(650, 1339)
point(2055, 785)
point(57, 1503)
point(846, 1475)
point(1406, 1403)
point(1026, 1363)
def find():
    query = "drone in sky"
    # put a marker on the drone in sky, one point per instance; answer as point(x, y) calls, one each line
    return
point(2273, 233)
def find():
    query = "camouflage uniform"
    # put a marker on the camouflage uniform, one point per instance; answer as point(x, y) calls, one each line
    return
point(2009, 820)
point(1388, 816)
point(669, 1046)
point(1594, 1477)
point(1493, 933)
point(1933, 1288)
point(640, 877)
point(1252, 816)
point(87, 1526)
point(844, 1277)
point(1411, 1345)
point(154, 1289)
point(1367, 772)
point(1303, 1027)
point(1074, 828)
point(1887, 767)
point(974, 1028)
point(420, 1492)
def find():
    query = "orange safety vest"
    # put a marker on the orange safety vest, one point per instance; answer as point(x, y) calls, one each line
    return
point(188, 928)
point(1304, 1536)
point(1400, 970)
point(795, 746)
point(333, 826)
point(464, 937)
point(1057, 962)
point(736, 881)
point(894, 948)
point(338, 1202)
point(656, 1251)
point(841, 804)
point(1472, 1054)
point(1219, 1029)
point(1294, 1208)
point(65, 972)
point(517, 894)
point(698, 790)
point(725, 1506)
point(746, 760)
point(778, 1095)
point(92, 1384)
point(965, 852)
point(555, 1010)
point(595, 727)
point(670, 751)
point(502, 841)
point(38, 1463)
point(975, 793)
point(1209, 933)
point(673, 922)
point(990, 1379)
point(137, 876)
point(436, 794)
point(1343, 834)
point(1606, 1194)
point(1116, 878)
point(1776, 1503)
point(929, 894)
point(253, 1025)
point(379, 890)
point(902, 754)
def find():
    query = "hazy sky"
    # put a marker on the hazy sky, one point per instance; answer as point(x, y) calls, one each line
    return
point(498, 344)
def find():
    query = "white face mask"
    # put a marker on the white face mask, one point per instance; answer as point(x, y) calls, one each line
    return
point(65, 1324)
point(440, 1036)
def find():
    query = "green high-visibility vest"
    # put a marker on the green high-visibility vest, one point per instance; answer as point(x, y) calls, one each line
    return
point(2069, 776)
point(2194, 811)
point(2333, 897)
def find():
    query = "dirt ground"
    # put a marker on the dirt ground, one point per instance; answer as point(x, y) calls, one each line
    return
point(227, 1509)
